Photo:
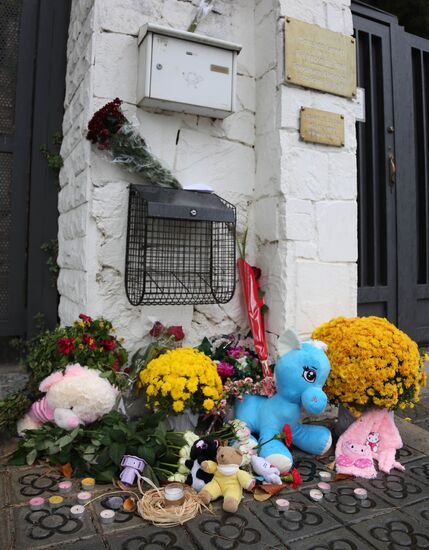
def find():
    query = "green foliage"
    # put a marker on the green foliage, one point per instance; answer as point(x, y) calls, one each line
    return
point(97, 450)
point(53, 158)
point(51, 249)
point(13, 407)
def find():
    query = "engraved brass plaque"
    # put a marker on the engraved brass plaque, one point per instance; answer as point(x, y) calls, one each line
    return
point(319, 59)
point(321, 127)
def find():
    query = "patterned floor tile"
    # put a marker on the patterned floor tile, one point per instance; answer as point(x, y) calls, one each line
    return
point(26, 484)
point(407, 453)
point(419, 511)
point(418, 412)
point(395, 531)
point(398, 488)
point(91, 543)
point(419, 469)
point(342, 503)
point(5, 529)
point(123, 520)
point(338, 539)
point(304, 518)
point(151, 537)
point(424, 423)
point(43, 528)
point(309, 469)
point(231, 531)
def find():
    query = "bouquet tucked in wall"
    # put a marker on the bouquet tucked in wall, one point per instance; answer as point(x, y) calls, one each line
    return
point(373, 364)
point(112, 132)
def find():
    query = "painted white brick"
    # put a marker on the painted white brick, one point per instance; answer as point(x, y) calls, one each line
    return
point(300, 222)
point(335, 18)
point(337, 228)
point(306, 250)
point(75, 193)
point(342, 176)
point(73, 224)
point(240, 126)
point(266, 108)
point(246, 93)
point(73, 254)
point(115, 69)
point(323, 291)
point(72, 283)
point(69, 311)
point(267, 218)
point(266, 33)
point(268, 153)
point(127, 16)
point(310, 11)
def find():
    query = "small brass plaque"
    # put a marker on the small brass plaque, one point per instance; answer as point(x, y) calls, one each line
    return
point(219, 69)
point(321, 127)
point(319, 59)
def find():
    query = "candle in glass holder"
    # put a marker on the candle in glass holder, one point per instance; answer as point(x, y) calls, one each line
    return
point(55, 501)
point(324, 487)
point(282, 505)
point(174, 494)
point(36, 503)
point(84, 497)
point(360, 493)
point(77, 511)
point(107, 516)
point(65, 486)
point(88, 484)
point(325, 476)
point(316, 495)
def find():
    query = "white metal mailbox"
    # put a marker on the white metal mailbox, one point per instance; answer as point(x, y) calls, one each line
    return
point(186, 72)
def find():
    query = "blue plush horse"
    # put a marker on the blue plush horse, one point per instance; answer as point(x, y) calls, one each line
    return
point(300, 374)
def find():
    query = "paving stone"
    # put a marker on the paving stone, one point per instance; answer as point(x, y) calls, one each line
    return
point(5, 529)
point(338, 539)
point(397, 488)
point(309, 469)
point(45, 527)
point(151, 537)
point(419, 469)
point(304, 517)
point(3, 489)
point(394, 531)
point(123, 520)
point(418, 412)
point(407, 453)
point(34, 482)
point(342, 503)
point(231, 531)
point(92, 543)
point(418, 511)
point(423, 423)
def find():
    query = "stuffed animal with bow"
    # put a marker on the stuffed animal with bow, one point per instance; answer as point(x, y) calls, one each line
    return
point(300, 373)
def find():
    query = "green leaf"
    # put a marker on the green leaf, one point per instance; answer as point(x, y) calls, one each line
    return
point(148, 454)
point(31, 457)
point(116, 452)
point(65, 440)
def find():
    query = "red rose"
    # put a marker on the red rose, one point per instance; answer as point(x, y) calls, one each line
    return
point(157, 329)
point(85, 318)
point(288, 435)
point(177, 332)
point(109, 344)
point(65, 345)
point(89, 341)
point(116, 365)
point(296, 478)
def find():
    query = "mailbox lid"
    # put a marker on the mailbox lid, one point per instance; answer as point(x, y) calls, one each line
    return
point(190, 72)
point(163, 202)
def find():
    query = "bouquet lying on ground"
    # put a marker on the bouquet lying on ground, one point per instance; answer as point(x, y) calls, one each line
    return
point(180, 379)
point(97, 450)
point(373, 364)
point(238, 366)
point(110, 130)
point(87, 342)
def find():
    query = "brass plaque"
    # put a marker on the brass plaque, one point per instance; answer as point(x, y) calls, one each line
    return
point(321, 127)
point(319, 59)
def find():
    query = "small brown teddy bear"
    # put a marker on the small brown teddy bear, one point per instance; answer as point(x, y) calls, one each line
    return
point(228, 481)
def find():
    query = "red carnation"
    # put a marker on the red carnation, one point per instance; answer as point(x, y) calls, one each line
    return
point(109, 344)
point(177, 332)
point(296, 478)
point(65, 345)
point(288, 435)
point(89, 341)
point(85, 318)
point(156, 329)
point(116, 365)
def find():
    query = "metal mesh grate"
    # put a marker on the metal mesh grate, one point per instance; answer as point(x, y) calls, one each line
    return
point(10, 11)
point(178, 261)
point(5, 221)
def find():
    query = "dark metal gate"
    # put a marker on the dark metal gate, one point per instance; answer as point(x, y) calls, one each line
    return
point(393, 172)
point(33, 36)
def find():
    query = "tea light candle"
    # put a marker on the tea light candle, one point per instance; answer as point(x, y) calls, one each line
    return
point(84, 497)
point(282, 505)
point(88, 483)
point(77, 511)
point(316, 495)
point(324, 487)
point(55, 501)
point(325, 476)
point(36, 503)
point(107, 516)
point(65, 486)
point(114, 503)
point(360, 493)
point(174, 493)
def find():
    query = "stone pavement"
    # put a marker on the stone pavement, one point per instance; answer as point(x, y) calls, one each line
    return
point(395, 516)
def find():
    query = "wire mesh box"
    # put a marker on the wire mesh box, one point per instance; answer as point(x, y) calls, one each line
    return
point(180, 247)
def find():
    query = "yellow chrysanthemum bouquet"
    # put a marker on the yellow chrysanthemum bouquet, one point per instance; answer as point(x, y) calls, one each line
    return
point(373, 364)
point(180, 379)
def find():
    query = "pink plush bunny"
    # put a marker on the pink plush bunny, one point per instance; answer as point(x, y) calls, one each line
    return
point(373, 436)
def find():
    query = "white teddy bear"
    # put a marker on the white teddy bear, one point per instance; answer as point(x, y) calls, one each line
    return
point(78, 395)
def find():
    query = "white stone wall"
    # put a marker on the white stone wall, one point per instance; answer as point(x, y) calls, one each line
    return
point(298, 200)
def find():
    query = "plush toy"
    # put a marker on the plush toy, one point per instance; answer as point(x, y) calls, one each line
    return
point(300, 374)
point(263, 468)
point(373, 436)
point(201, 450)
point(78, 395)
point(228, 480)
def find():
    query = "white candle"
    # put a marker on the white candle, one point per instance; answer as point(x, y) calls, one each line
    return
point(324, 487)
point(325, 476)
point(282, 504)
point(174, 491)
point(65, 486)
point(360, 493)
point(84, 497)
point(316, 495)
point(107, 516)
point(77, 511)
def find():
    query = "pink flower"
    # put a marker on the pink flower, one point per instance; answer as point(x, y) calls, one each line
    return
point(85, 318)
point(224, 369)
point(236, 353)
